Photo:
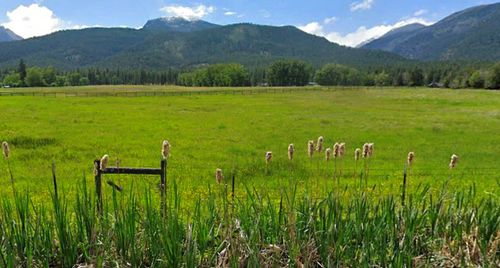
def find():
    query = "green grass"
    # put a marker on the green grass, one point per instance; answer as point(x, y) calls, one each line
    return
point(289, 212)
point(235, 131)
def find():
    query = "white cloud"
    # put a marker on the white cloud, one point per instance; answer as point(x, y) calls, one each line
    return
point(363, 5)
point(361, 34)
point(188, 13)
point(230, 13)
point(33, 20)
point(313, 28)
point(330, 20)
point(420, 12)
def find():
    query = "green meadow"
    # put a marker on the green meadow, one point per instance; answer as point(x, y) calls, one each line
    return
point(233, 132)
point(306, 211)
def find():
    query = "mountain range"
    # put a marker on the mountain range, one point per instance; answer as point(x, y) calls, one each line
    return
point(8, 35)
point(177, 43)
point(471, 34)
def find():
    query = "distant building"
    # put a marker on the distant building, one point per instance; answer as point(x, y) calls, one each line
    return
point(435, 85)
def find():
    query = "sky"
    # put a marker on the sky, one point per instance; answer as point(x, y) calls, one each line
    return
point(347, 22)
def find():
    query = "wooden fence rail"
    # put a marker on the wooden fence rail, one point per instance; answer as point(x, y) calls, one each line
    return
point(161, 172)
point(250, 91)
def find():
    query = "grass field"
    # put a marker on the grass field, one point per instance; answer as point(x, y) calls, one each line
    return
point(233, 132)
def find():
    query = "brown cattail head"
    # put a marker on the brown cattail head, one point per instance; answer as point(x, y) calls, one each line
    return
point(6, 150)
point(453, 162)
point(328, 154)
point(366, 150)
point(357, 153)
point(319, 146)
point(104, 162)
point(218, 175)
point(336, 150)
point(411, 156)
point(269, 157)
point(291, 149)
point(370, 149)
point(342, 149)
point(310, 148)
point(165, 151)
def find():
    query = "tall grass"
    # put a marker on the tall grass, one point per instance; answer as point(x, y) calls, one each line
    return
point(448, 229)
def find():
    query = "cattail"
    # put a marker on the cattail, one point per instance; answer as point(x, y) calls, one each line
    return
point(319, 146)
point(328, 154)
point(291, 149)
point(218, 175)
point(453, 162)
point(370, 149)
point(366, 150)
point(269, 157)
point(357, 153)
point(165, 151)
point(336, 150)
point(6, 150)
point(411, 156)
point(342, 149)
point(104, 162)
point(310, 148)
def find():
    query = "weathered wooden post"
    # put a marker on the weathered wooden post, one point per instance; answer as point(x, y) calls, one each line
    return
point(98, 184)
point(163, 185)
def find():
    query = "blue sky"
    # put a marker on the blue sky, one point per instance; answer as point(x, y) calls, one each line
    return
point(348, 22)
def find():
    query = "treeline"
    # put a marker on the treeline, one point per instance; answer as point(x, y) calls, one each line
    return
point(279, 73)
point(25, 76)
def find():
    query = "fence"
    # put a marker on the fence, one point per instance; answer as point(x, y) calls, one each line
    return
point(138, 93)
point(162, 172)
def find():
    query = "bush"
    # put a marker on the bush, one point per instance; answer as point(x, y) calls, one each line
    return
point(493, 77)
point(289, 73)
point(476, 80)
point(12, 80)
point(217, 75)
point(338, 75)
point(34, 77)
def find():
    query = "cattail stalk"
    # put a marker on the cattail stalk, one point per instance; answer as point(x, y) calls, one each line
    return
point(165, 151)
point(341, 156)
point(453, 164)
point(368, 149)
point(409, 161)
point(319, 146)
point(453, 161)
point(104, 162)
point(336, 153)
point(357, 154)
point(268, 157)
point(310, 148)
point(218, 175)
point(291, 149)
point(328, 154)
point(6, 154)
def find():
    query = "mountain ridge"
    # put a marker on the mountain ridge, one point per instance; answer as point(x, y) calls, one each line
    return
point(7, 35)
point(470, 34)
point(177, 24)
point(126, 48)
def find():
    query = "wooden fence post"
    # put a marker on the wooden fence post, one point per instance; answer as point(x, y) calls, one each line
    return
point(163, 185)
point(98, 185)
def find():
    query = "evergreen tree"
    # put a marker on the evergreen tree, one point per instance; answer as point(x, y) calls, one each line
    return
point(22, 70)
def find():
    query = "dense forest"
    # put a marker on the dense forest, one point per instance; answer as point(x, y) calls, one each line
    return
point(278, 73)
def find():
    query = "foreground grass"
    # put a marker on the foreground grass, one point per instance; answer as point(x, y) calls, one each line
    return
point(448, 230)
